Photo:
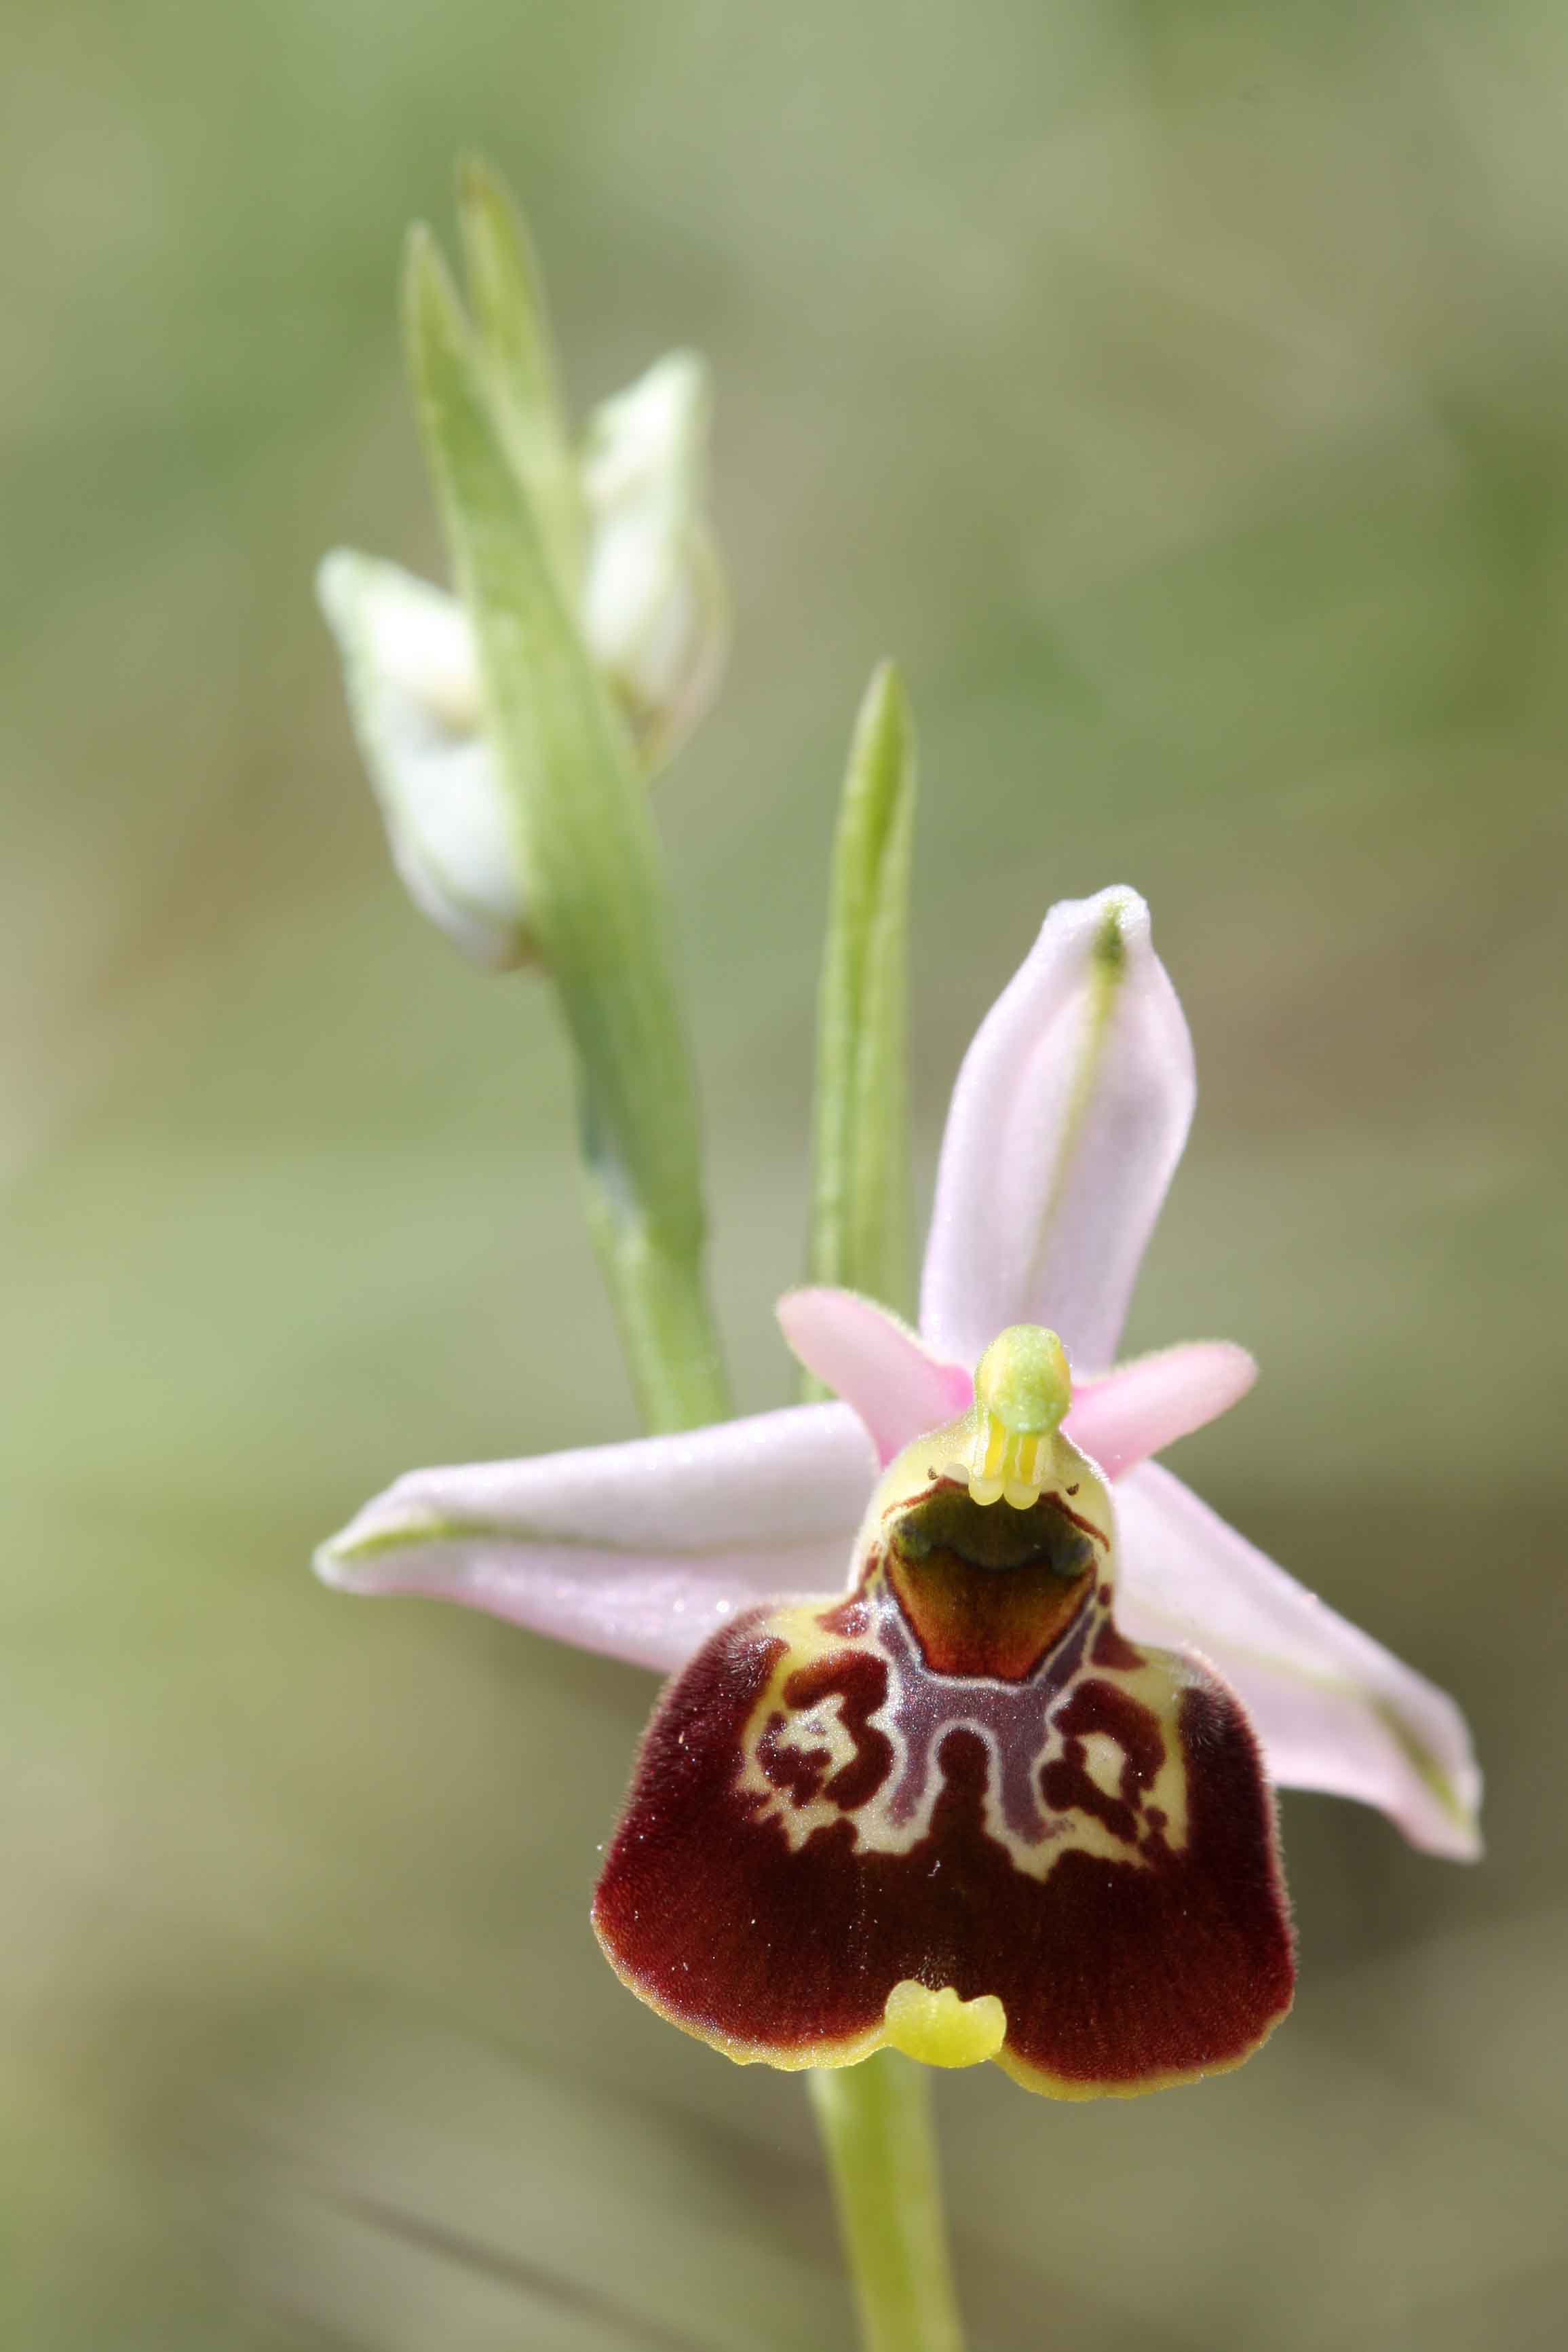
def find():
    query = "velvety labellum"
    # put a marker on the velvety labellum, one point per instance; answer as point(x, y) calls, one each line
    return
point(960, 1785)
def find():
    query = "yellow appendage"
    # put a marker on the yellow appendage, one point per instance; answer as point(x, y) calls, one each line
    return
point(940, 2030)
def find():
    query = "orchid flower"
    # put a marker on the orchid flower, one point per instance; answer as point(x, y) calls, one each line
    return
point(1005, 1791)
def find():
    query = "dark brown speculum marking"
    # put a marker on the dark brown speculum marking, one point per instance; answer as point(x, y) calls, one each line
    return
point(859, 1682)
point(986, 1589)
point(1067, 1785)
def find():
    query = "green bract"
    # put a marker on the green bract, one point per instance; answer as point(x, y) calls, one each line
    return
point(860, 1198)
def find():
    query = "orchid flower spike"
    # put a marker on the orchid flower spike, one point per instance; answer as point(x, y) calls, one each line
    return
point(1004, 1792)
point(651, 603)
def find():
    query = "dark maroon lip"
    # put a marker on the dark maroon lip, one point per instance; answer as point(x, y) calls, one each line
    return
point(1120, 1966)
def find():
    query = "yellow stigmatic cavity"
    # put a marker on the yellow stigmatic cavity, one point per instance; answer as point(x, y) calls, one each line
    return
point(1022, 1391)
point(940, 2030)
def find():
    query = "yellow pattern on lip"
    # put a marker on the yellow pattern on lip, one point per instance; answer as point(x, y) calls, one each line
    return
point(1023, 1389)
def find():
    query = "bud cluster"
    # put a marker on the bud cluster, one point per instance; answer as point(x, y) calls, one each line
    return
point(623, 514)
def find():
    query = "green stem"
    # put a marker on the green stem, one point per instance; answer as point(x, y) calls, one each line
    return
point(659, 1295)
point(876, 2126)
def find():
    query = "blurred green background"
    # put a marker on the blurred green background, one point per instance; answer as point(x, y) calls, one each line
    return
point(1183, 394)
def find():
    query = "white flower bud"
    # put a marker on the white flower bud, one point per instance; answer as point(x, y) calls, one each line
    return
point(414, 695)
point(652, 611)
point(653, 608)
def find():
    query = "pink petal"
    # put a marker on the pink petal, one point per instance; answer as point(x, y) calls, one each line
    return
point(1334, 1709)
point(639, 1551)
point(875, 1364)
point(1066, 1123)
point(1139, 1408)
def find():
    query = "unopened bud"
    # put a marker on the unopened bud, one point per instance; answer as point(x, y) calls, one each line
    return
point(653, 608)
point(414, 696)
point(652, 616)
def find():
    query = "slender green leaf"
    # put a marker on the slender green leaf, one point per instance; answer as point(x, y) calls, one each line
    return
point(860, 1205)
